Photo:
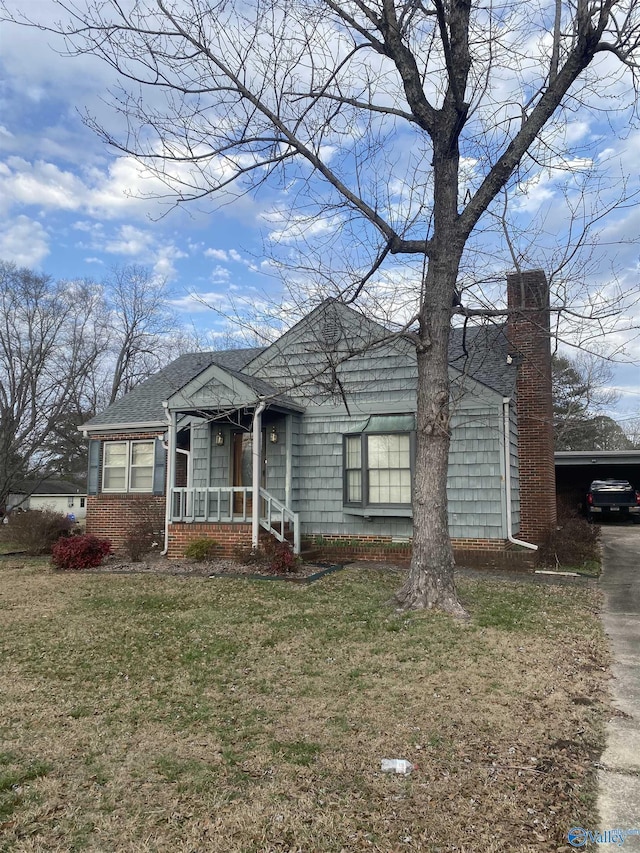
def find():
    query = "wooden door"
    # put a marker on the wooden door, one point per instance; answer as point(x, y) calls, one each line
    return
point(242, 467)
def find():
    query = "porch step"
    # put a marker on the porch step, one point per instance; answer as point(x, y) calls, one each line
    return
point(310, 555)
point(288, 529)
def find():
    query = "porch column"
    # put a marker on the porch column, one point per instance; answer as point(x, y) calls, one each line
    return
point(256, 448)
point(171, 474)
point(288, 460)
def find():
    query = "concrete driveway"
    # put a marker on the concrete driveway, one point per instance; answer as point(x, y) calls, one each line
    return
point(619, 778)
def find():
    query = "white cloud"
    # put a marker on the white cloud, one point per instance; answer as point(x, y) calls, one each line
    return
point(220, 275)
point(40, 184)
point(218, 254)
point(200, 302)
point(130, 241)
point(293, 228)
point(164, 267)
point(25, 242)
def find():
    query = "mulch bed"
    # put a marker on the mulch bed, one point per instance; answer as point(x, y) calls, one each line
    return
point(221, 567)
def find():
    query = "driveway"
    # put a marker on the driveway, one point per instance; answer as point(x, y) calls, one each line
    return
point(619, 778)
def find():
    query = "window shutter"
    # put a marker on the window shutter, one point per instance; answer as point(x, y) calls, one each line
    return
point(93, 474)
point(159, 468)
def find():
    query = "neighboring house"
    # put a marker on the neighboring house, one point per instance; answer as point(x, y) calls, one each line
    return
point(333, 402)
point(55, 495)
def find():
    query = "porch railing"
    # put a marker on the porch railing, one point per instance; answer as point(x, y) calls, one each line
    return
point(276, 515)
point(232, 504)
point(220, 503)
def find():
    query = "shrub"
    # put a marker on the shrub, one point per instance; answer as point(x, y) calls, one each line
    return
point(202, 549)
point(278, 556)
point(80, 552)
point(147, 533)
point(36, 531)
point(574, 543)
point(249, 556)
point(139, 540)
point(282, 560)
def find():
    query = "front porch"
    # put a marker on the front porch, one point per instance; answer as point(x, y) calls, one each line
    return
point(229, 511)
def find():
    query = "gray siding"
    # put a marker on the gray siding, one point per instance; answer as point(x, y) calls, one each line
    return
point(275, 455)
point(315, 372)
point(474, 484)
point(200, 451)
point(515, 468)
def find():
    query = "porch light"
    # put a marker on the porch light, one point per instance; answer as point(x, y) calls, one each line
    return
point(220, 438)
point(273, 436)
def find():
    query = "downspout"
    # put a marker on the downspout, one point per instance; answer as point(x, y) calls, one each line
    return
point(171, 452)
point(255, 480)
point(507, 477)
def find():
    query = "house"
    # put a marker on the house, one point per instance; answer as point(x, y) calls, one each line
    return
point(332, 404)
point(50, 494)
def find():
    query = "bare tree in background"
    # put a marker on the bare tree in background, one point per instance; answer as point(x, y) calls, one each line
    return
point(581, 397)
point(48, 347)
point(393, 125)
point(140, 326)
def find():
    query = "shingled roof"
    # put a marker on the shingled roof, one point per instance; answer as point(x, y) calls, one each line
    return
point(482, 352)
point(143, 405)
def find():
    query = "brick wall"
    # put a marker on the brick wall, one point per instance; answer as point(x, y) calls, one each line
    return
point(529, 335)
point(228, 536)
point(113, 516)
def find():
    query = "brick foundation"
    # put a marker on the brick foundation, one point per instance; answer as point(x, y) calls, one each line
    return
point(468, 553)
point(228, 536)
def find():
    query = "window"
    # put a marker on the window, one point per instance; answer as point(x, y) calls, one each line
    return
point(389, 469)
point(128, 466)
point(377, 469)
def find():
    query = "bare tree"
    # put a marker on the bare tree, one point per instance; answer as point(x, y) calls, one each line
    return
point(581, 395)
point(140, 327)
point(395, 124)
point(631, 427)
point(48, 347)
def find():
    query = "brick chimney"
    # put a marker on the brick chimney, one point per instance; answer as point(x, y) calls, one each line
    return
point(529, 338)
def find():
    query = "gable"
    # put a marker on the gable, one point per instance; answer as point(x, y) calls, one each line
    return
point(219, 389)
point(335, 353)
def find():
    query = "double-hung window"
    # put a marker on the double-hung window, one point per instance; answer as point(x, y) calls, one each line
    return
point(127, 466)
point(378, 465)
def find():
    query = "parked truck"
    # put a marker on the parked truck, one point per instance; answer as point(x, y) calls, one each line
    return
point(613, 499)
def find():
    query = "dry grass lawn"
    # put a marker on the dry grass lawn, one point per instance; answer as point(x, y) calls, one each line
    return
point(148, 713)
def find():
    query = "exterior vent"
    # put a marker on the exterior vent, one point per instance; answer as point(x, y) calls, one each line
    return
point(330, 330)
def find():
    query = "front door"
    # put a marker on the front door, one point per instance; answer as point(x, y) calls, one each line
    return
point(242, 467)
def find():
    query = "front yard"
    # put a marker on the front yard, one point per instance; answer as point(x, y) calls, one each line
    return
point(148, 713)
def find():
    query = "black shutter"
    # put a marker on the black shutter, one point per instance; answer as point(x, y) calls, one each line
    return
point(93, 474)
point(159, 468)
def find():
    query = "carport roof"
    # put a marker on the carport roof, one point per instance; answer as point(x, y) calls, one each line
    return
point(584, 457)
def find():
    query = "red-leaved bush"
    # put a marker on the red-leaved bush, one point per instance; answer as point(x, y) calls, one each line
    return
point(282, 560)
point(79, 552)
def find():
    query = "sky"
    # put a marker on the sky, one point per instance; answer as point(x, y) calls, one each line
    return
point(72, 207)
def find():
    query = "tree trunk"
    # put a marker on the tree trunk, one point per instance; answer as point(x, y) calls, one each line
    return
point(430, 582)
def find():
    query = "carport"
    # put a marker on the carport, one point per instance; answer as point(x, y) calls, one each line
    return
point(575, 470)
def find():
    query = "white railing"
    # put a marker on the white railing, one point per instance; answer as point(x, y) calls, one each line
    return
point(274, 512)
point(232, 504)
point(221, 503)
